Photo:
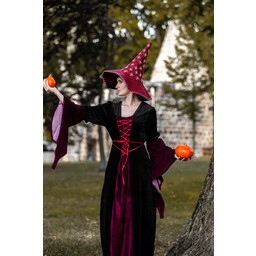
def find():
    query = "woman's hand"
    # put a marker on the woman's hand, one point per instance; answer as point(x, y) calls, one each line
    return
point(48, 88)
point(182, 159)
point(53, 90)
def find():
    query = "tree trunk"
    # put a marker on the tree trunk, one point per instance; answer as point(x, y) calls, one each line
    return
point(101, 142)
point(102, 153)
point(198, 237)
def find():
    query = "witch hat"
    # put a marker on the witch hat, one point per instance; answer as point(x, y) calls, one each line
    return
point(132, 75)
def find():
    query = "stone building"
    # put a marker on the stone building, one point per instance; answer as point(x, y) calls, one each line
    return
point(174, 129)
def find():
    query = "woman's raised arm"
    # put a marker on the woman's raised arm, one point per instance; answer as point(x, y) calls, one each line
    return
point(53, 90)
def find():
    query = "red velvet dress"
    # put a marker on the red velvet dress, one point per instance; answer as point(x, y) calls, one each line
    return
point(133, 178)
point(121, 221)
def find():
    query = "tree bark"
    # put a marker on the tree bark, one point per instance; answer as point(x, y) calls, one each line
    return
point(198, 239)
point(102, 151)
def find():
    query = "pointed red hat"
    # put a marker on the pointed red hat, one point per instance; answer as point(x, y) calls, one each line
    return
point(132, 75)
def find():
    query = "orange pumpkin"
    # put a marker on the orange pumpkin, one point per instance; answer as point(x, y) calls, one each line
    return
point(184, 151)
point(51, 81)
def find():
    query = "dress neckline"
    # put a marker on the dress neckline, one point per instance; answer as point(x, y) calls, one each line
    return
point(120, 110)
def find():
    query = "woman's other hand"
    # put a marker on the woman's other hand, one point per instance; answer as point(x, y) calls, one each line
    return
point(182, 159)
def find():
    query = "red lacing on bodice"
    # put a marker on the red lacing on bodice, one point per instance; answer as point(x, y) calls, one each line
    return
point(124, 126)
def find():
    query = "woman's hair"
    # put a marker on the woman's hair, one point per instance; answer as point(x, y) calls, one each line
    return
point(141, 98)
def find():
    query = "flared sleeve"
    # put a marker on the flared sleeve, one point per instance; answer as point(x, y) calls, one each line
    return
point(161, 156)
point(65, 115)
point(68, 114)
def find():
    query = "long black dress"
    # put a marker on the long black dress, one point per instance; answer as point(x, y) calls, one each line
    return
point(144, 167)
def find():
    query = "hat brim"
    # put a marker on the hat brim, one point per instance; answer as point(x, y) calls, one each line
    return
point(110, 80)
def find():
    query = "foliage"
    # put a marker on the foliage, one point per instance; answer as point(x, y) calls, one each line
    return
point(192, 69)
point(75, 47)
point(197, 17)
point(137, 22)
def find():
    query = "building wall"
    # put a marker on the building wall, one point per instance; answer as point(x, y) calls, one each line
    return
point(176, 130)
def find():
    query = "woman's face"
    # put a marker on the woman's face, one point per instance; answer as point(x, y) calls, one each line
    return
point(121, 87)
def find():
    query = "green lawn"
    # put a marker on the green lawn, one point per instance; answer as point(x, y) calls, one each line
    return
point(72, 206)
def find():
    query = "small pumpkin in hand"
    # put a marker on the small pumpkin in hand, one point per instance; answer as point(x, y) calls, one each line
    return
point(184, 151)
point(51, 81)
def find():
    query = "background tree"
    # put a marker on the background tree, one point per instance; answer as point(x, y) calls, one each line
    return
point(197, 16)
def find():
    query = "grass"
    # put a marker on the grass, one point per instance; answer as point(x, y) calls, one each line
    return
point(72, 206)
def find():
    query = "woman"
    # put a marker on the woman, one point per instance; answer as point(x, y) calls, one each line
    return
point(133, 178)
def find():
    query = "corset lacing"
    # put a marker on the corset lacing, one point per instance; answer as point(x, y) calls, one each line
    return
point(124, 127)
